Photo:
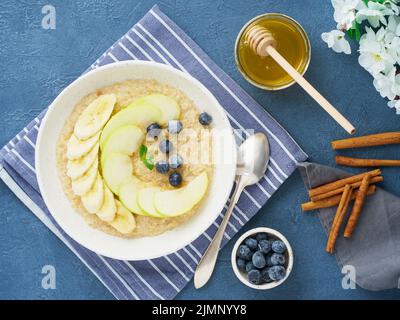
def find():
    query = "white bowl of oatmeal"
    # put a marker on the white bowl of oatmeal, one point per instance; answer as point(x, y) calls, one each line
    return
point(127, 166)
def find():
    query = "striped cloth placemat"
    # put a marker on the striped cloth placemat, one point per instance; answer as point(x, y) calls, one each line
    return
point(155, 37)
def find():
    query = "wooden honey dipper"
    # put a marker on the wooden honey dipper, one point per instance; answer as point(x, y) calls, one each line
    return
point(263, 44)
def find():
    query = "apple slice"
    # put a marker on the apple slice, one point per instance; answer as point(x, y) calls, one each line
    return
point(116, 170)
point(140, 115)
point(124, 220)
point(146, 201)
point(77, 148)
point(169, 107)
point(77, 168)
point(109, 208)
point(128, 195)
point(93, 200)
point(83, 184)
point(94, 117)
point(173, 203)
point(126, 140)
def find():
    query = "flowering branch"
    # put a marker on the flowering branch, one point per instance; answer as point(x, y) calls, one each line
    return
point(375, 24)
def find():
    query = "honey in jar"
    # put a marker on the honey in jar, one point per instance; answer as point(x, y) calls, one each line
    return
point(292, 43)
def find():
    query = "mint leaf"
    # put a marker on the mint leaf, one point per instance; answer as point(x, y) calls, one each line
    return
point(142, 152)
point(147, 160)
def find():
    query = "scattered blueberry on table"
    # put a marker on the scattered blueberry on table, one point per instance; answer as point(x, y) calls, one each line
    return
point(175, 179)
point(175, 161)
point(205, 119)
point(262, 258)
point(153, 130)
point(162, 166)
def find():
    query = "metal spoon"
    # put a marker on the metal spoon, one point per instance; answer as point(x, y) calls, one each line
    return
point(253, 158)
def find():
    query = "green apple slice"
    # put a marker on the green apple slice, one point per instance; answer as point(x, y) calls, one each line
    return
point(109, 208)
point(173, 203)
point(77, 168)
point(116, 170)
point(94, 117)
point(124, 221)
point(93, 200)
point(83, 184)
point(146, 201)
point(126, 140)
point(139, 115)
point(128, 195)
point(169, 108)
point(77, 148)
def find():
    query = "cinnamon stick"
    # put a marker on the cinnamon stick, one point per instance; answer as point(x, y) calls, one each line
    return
point(332, 201)
point(341, 183)
point(360, 162)
point(339, 217)
point(367, 141)
point(337, 191)
point(358, 204)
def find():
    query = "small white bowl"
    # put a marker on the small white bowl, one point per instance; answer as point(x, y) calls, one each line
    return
point(273, 234)
point(59, 205)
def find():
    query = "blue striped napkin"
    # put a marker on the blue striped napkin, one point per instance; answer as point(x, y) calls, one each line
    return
point(155, 37)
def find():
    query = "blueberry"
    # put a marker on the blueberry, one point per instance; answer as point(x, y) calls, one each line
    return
point(278, 246)
point(277, 258)
point(258, 260)
point(162, 166)
point(205, 119)
point(268, 259)
point(249, 266)
point(251, 243)
point(265, 275)
point(175, 161)
point(261, 236)
point(153, 130)
point(264, 246)
point(174, 126)
point(254, 276)
point(277, 273)
point(244, 252)
point(165, 146)
point(241, 264)
point(175, 179)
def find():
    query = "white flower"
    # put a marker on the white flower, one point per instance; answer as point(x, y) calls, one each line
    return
point(345, 12)
point(337, 41)
point(375, 13)
point(386, 84)
point(395, 104)
point(392, 4)
point(373, 55)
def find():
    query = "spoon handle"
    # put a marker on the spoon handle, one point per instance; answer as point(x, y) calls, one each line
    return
point(207, 263)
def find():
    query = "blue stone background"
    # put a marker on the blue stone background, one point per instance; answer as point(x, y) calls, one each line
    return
point(36, 64)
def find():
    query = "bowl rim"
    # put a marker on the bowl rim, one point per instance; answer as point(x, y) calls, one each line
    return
point(53, 109)
point(239, 274)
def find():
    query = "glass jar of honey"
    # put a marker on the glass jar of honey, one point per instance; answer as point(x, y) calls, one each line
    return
point(292, 43)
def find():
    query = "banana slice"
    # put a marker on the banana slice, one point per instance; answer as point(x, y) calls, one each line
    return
point(77, 168)
point(93, 200)
point(124, 220)
point(109, 208)
point(94, 117)
point(83, 184)
point(77, 148)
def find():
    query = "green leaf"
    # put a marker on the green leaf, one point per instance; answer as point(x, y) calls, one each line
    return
point(142, 152)
point(351, 33)
point(147, 160)
point(357, 31)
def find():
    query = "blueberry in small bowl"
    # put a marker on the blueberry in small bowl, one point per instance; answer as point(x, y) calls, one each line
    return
point(262, 258)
